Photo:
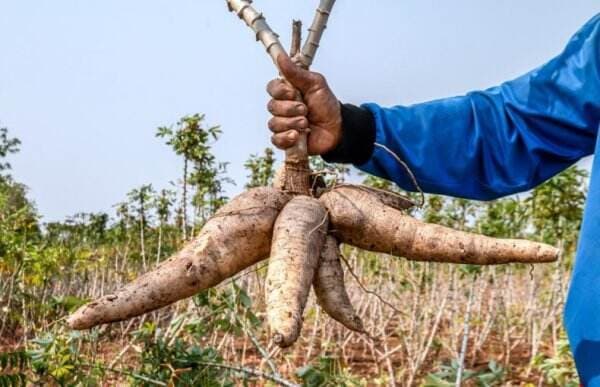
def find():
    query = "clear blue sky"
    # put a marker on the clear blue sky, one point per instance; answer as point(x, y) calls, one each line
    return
point(84, 84)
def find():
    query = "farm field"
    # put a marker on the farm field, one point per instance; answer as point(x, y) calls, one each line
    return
point(428, 324)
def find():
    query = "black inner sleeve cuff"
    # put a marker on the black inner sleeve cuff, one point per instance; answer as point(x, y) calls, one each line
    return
point(358, 137)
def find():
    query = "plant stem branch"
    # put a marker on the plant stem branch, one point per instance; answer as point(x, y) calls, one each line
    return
point(315, 32)
point(250, 371)
point(465, 340)
point(257, 22)
point(296, 38)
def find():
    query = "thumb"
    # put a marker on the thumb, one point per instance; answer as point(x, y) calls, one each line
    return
point(297, 76)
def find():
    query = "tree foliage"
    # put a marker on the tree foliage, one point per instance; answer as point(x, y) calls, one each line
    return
point(8, 146)
point(261, 168)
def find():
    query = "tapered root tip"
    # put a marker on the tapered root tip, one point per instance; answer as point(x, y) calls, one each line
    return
point(90, 315)
point(281, 341)
point(76, 322)
point(548, 253)
point(278, 338)
point(358, 325)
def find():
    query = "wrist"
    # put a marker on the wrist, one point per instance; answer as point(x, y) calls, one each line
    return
point(356, 136)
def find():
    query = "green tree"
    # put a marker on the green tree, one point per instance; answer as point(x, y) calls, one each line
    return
point(19, 236)
point(191, 140)
point(433, 209)
point(163, 202)
point(261, 169)
point(506, 218)
point(140, 199)
point(557, 208)
point(123, 221)
point(8, 145)
point(379, 183)
point(208, 179)
point(331, 173)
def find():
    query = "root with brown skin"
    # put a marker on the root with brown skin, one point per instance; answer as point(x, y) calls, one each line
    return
point(292, 230)
point(361, 219)
point(226, 245)
point(330, 288)
point(298, 238)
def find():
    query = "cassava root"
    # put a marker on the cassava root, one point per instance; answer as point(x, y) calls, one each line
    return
point(238, 236)
point(298, 239)
point(330, 289)
point(361, 219)
point(289, 225)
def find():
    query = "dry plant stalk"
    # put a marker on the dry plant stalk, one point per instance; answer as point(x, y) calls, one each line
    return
point(290, 224)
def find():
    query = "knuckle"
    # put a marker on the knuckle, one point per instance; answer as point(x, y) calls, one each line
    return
point(290, 109)
point(279, 108)
point(279, 91)
point(275, 141)
point(302, 123)
point(292, 136)
point(281, 141)
point(319, 78)
point(321, 93)
point(271, 124)
point(301, 109)
point(290, 94)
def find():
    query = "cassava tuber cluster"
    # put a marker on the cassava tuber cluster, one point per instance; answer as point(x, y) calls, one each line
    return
point(300, 234)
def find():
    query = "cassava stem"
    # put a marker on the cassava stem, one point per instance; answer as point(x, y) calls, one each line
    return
point(298, 238)
point(296, 38)
point(315, 32)
point(361, 219)
point(297, 171)
point(238, 236)
point(257, 22)
point(296, 157)
point(330, 289)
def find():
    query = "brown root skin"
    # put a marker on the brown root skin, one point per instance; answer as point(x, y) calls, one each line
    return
point(279, 179)
point(295, 177)
point(238, 236)
point(316, 183)
point(330, 288)
point(390, 199)
point(298, 238)
point(360, 219)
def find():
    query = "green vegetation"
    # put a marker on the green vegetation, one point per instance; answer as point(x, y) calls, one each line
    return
point(430, 323)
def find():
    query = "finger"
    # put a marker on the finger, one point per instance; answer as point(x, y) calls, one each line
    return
point(286, 139)
point(284, 124)
point(297, 76)
point(286, 108)
point(279, 89)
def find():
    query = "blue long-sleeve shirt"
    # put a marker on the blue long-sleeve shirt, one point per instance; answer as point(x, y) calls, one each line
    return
point(500, 141)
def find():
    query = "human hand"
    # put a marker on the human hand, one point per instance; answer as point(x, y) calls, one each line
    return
point(303, 101)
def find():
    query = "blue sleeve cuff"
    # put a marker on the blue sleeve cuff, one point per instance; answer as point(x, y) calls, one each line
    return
point(372, 164)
